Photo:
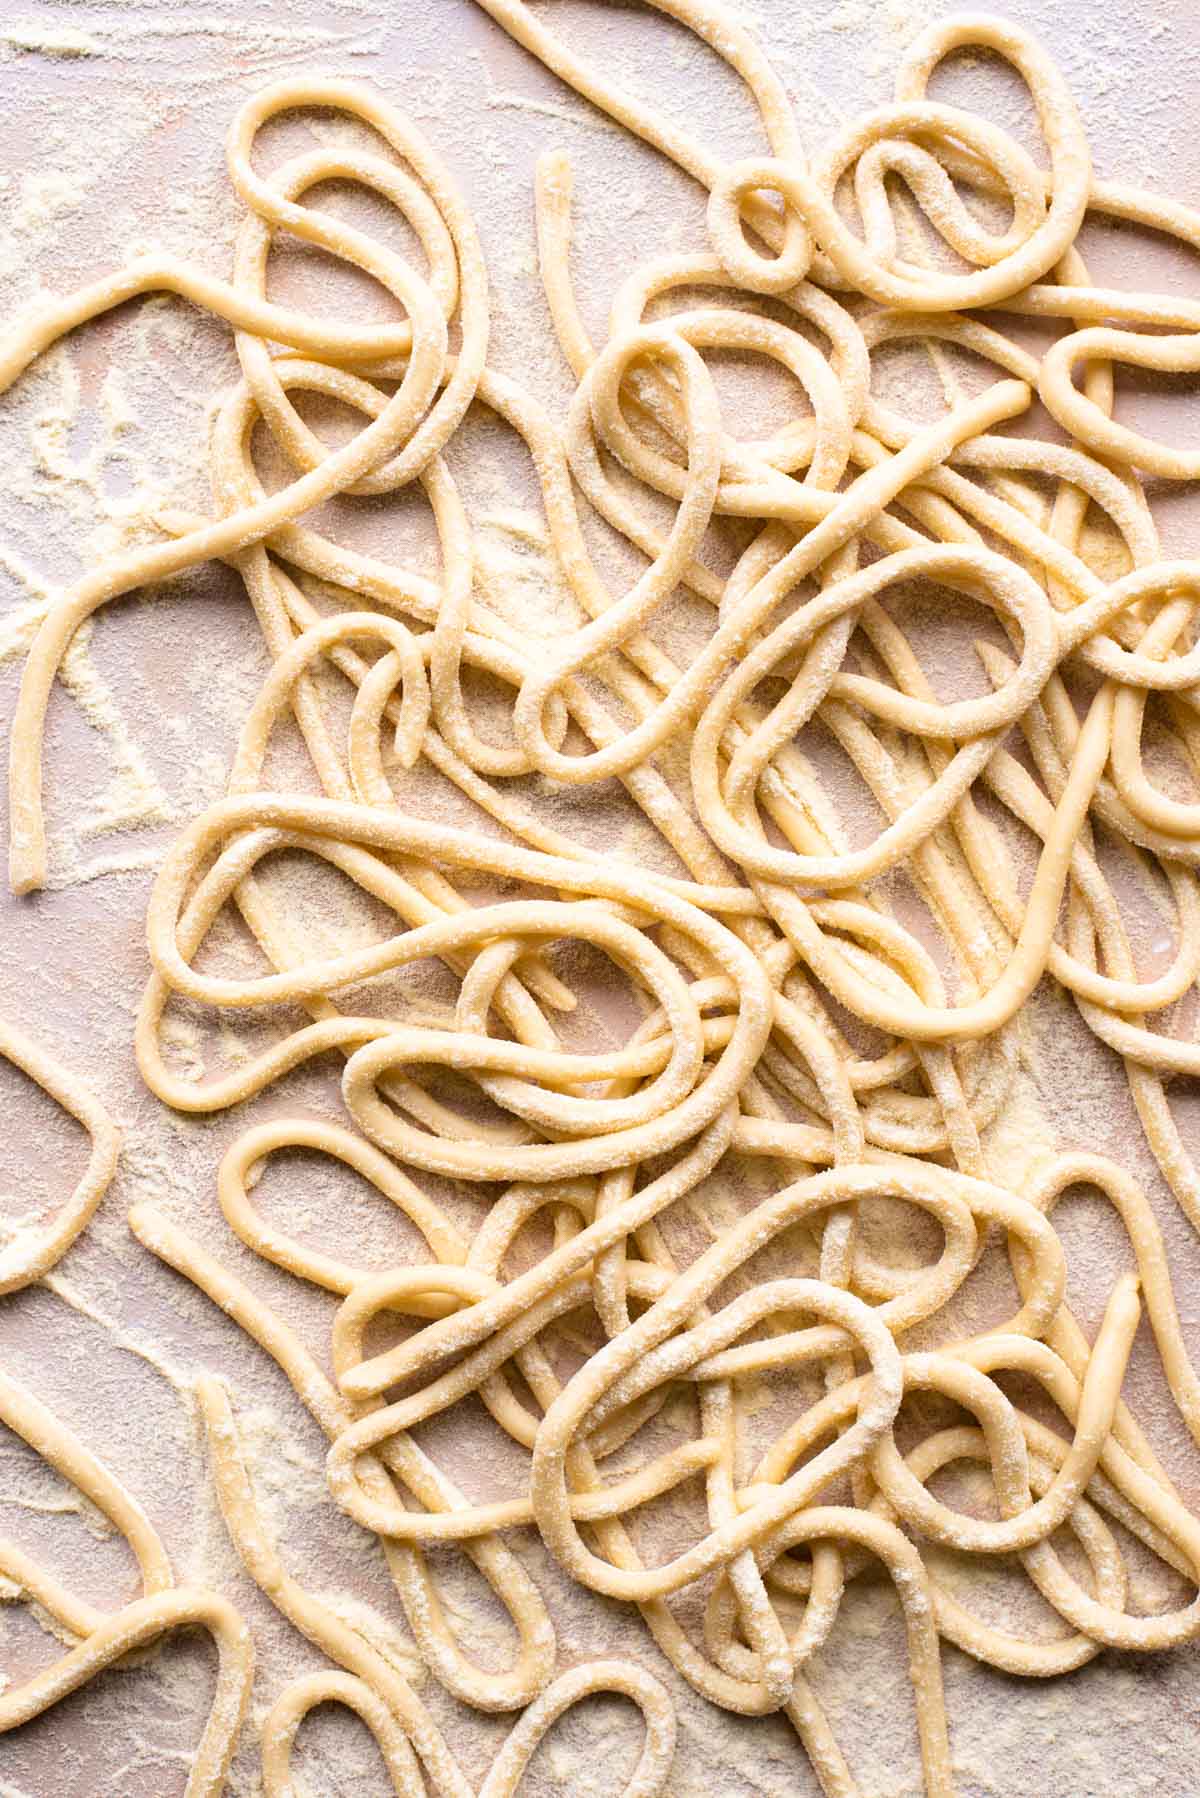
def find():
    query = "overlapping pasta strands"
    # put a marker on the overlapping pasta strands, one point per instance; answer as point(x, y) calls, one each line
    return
point(106, 1638)
point(828, 1015)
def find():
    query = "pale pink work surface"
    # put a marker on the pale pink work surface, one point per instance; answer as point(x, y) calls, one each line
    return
point(119, 144)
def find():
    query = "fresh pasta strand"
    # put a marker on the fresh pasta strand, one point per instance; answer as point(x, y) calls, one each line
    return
point(106, 1638)
point(34, 1252)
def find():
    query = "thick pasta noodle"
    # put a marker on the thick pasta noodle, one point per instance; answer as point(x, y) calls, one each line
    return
point(34, 1251)
point(791, 1011)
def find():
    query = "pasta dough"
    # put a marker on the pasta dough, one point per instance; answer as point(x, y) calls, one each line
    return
point(844, 1013)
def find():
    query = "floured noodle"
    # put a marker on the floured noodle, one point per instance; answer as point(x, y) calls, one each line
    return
point(758, 942)
point(33, 1252)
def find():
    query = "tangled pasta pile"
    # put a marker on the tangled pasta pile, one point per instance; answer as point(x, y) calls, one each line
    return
point(842, 1013)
